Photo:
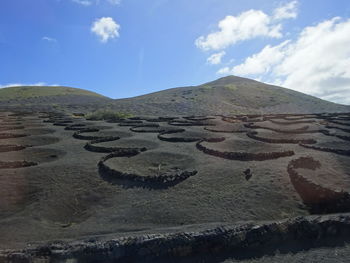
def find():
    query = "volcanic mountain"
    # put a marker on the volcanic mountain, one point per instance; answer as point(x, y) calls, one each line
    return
point(228, 95)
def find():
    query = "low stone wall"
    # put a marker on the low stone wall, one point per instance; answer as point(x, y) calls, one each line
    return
point(11, 135)
point(239, 130)
point(301, 130)
point(130, 123)
point(162, 246)
point(63, 123)
point(11, 148)
point(78, 134)
point(289, 122)
point(254, 135)
point(319, 199)
point(189, 123)
point(231, 120)
point(150, 127)
point(338, 128)
point(6, 124)
point(242, 156)
point(341, 122)
point(10, 128)
point(90, 146)
point(176, 139)
point(326, 149)
point(343, 137)
point(16, 164)
point(162, 119)
point(75, 127)
point(199, 118)
point(164, 179)
point(57, 120)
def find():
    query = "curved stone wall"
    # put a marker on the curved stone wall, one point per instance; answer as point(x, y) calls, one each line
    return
point(10, 148)
point(16, 164)
point(161, 179)
point(90, 146)
point(11, 135)
point(318, 198)
point(242, 156)
point(291, 122)
point(326, 149)
point(254, 135)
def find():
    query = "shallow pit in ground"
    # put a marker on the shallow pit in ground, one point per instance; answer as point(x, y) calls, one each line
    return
point(322, 183)
point(186, 135)
point(299, 127)
point(334, 172)
point(188, 123)
point(240, 144)
point(331, 145)
point(334, 144)
point(280, 138)
point(227, 128)
point(285, 122)
point(152, 163)
point(92, 133)
point(149, 128)
point(129, 143)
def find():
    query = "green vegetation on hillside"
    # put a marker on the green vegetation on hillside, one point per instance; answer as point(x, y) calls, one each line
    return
point(23, 92)
point(231, 87)
point(226, 95)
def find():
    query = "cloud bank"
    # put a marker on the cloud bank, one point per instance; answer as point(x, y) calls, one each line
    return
point(96, 2)
point(247, 25)
point(26, 84)
point(317, 62)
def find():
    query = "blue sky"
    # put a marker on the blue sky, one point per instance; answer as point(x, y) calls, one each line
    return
point(132, 47)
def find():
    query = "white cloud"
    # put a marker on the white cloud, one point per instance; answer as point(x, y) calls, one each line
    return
point(49, 39)
point(83, 2)
point(96, 2)
point(216, 58)
point(247, 25)
point(286, 11)
point(232, 29)
point(106, 28)
point(114, 2)
point(316, 63)
point(261, 62)
point(224, 71)
point(23, 84)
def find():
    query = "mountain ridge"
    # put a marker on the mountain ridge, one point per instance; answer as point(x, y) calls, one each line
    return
point(227, 95)
point(231, 95)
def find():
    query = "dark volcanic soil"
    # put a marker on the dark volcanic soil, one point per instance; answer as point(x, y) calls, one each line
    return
point(195, 173)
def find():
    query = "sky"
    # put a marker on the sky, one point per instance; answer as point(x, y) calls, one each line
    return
point(125, 48)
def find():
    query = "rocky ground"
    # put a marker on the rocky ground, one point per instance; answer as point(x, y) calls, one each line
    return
point(146, 181)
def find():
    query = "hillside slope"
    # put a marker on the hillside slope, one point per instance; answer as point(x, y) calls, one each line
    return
point(47, 97)
point(228, 95)
point(25, 92)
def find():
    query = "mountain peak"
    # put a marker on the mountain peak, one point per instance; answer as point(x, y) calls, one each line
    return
point(231, 79)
